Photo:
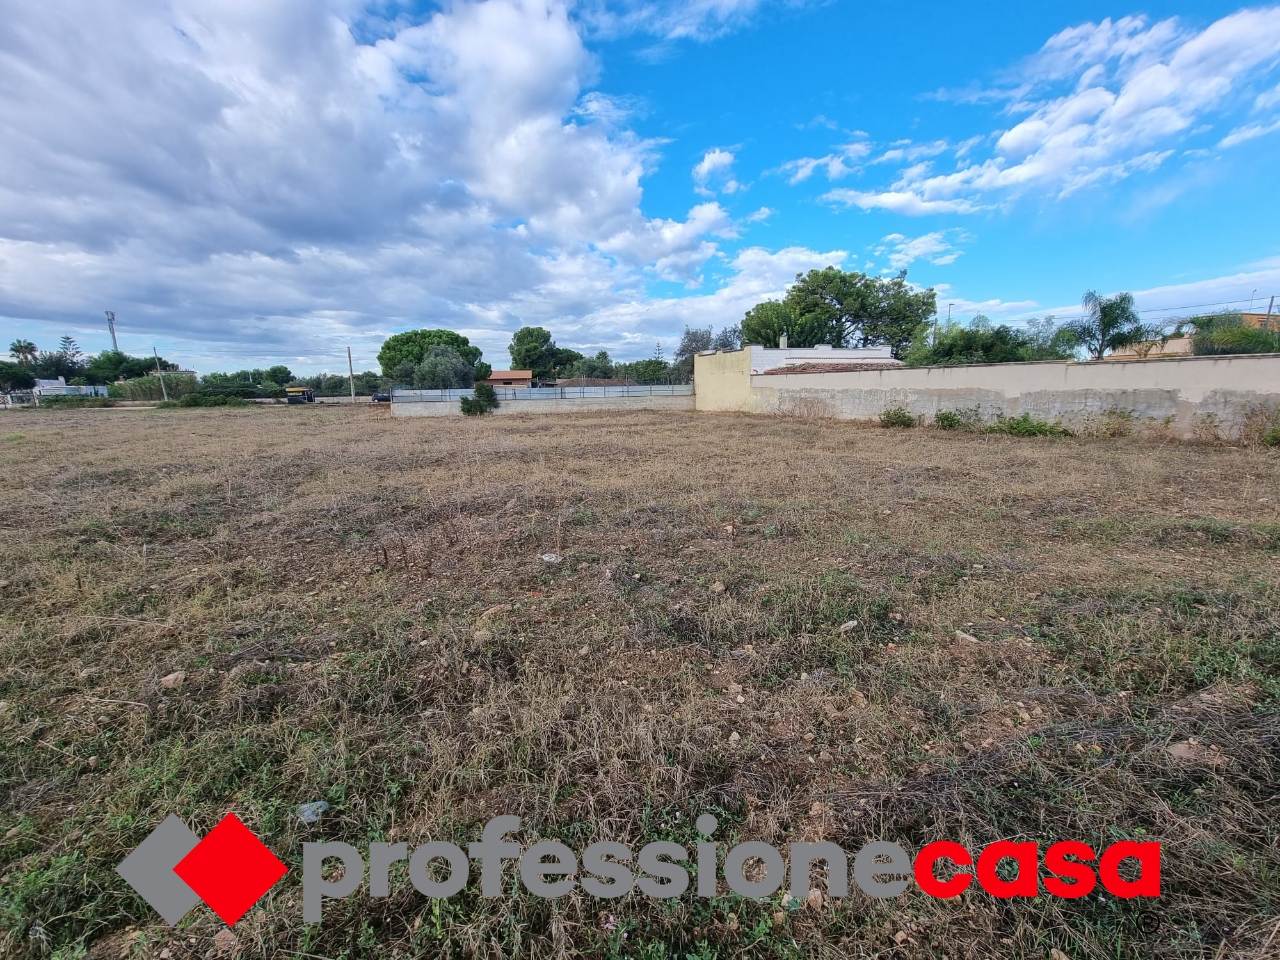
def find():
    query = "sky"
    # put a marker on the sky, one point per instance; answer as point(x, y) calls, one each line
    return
point(250, 182)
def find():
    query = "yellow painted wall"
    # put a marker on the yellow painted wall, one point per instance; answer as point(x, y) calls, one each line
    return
point(722, 380)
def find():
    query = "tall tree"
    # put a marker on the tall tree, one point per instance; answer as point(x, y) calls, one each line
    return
point(15, 376)
point(1110, 323)
point(411, 348)
point(692, 342)
point(858, 310)
point(24, 351)
point(766, 322)
point(443, 369)
point(533, 349)
point(599, 367)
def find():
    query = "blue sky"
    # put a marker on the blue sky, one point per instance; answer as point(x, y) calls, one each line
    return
point(254, 182)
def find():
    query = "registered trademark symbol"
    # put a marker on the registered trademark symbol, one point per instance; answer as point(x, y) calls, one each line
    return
point(1148, 922)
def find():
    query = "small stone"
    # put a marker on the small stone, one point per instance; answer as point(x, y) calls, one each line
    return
point(93, 763)
point(734, 738)
point(717, 587)
point(900, 937)
point(551, 558)
point(173, 680)
point(849, 626)
point(312, 812)
point(965, 637)
point(733, 689)
point(224, 941)
point(740, 699)
point(584, 651)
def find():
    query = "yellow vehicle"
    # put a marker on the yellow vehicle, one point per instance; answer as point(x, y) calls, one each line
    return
point(300, 395)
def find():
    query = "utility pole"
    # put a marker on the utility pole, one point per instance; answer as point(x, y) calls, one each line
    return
point(111, 325)
point(1251, 296)
point(163, 388)
point(351, 374)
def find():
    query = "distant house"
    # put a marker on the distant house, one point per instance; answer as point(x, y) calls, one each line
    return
point(509, 378)
point(50, 388)
point(1152, 349)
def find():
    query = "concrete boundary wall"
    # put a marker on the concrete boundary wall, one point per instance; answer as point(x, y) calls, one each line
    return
point(1185, 392)
point(409, 408)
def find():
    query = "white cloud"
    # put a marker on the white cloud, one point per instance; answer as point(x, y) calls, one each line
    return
point(713, 173)
point(1135, 91)
point(898, 201)
point(667, 20)
point(1249, 132)
point(835, 165)
point(902, 251)
point(251, 180)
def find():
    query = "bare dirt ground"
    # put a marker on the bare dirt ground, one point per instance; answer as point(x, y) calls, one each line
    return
point(1055, 638)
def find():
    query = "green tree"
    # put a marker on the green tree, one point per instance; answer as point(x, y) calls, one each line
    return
point(443, 369)
point(112, 365)
point(411, 348)
point(1225, 333)
point(67, 361)
point(533, 349)
point(483, 400)
point(599, 367)
point(692, 342)
point(15, 376)
point(766, 322)
point(729, 338)
point(1110, 323)
point(278, 374)
point(24, 351)
point(858, 310)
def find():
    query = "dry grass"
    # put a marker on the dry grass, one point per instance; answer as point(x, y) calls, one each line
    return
point(362, 616)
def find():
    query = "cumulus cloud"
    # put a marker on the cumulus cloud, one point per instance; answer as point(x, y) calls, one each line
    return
point(281, 179)
point(1098, 103)
point(714, 173)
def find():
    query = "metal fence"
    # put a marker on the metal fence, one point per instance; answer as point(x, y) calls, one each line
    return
point(408, 395)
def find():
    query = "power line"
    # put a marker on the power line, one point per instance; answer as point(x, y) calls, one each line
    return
point(1189, 306)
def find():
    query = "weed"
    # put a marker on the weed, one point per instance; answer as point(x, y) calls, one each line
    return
point(1027, 426)
point(898, 417)
point(968, 418)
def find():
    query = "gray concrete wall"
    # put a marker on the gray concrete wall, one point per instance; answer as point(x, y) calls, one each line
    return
point(1183, 391)
point(451, 408)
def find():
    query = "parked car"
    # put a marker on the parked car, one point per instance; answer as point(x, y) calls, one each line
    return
point(382, 398)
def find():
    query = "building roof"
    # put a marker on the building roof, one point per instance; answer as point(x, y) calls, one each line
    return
point(831, 367)
point(510, 375)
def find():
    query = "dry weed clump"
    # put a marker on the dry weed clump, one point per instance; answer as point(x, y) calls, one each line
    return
point(813, 630)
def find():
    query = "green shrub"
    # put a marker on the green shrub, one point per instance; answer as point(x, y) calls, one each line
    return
point(205, 400)
point(1271, 438)
point(484, 400)
point(968, 418)
point(149, 388)
point(898, 417)
point(60, 401)
point(1026, 426)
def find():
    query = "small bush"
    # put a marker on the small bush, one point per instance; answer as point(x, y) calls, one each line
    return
point(1271, 438)
point(898, 417)
point(968, 418)
point(204, 400)
point(1113, 423)
point(1027, 426)
point(58, 401)
point(484, 400)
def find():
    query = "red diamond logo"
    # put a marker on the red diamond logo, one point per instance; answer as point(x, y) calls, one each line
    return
point(230, 869)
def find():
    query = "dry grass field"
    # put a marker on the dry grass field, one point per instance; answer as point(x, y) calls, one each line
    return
point(1056, 638)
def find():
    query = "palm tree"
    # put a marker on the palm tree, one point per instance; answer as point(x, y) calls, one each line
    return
point(1109, 324)
point(24, 351)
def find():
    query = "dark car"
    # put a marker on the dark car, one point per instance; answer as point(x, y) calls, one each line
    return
point(382, 398)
